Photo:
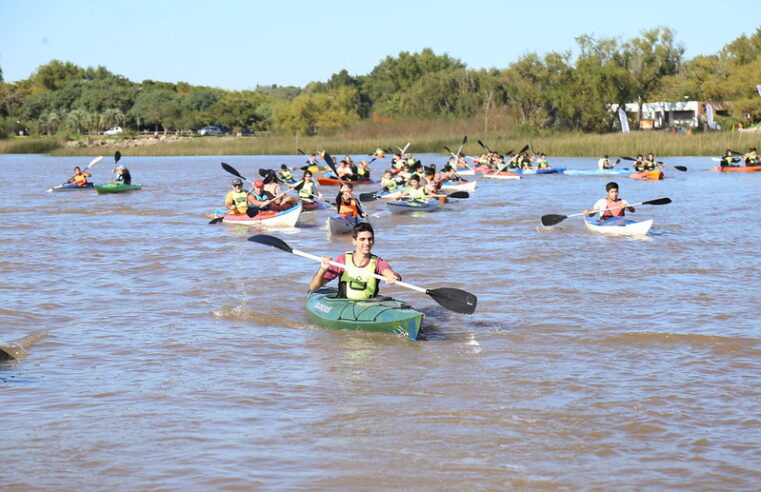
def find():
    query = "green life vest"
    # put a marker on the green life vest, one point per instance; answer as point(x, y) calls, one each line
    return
point(542, 164)
point(391, 185)
point(307, 190)
point(417, 194)
point(239, 199)
point(286, 174)
point(351, 287)
point(648, 165)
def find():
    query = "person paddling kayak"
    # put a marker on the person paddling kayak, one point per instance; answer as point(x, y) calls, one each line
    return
point(414, 191)
point(351, 284)
point(264, 200)
point(79, 178)
point(122, 175)
point(348, 206)
point(235, 201)
point(307, 188)
point(617, 205)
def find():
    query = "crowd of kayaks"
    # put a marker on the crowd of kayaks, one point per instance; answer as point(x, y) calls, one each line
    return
point(384, 314)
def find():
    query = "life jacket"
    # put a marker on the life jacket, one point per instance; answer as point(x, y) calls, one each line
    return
point(648, 165)
point(363, 171)
point(261, 198)
point(350, 287)
point(417, 194)
point(286, 174)
point(238, 198)
point(542, 164)
point(349, 208)
point(390, 184)
point(307, 190)
point(616, 212)
point(80, 179)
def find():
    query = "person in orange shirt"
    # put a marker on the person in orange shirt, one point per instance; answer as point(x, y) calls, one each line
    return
point(80, 177)
point(348, 206)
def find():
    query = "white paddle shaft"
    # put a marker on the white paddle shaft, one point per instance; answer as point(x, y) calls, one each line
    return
point(357, 270)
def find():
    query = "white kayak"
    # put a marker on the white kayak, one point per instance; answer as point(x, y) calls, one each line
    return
point(503, 175)
point(460, 186)
point(286, 218)
point(340, 224)
point(619, 226)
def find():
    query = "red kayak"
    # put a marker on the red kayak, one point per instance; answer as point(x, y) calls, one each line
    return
point(336, 182)
point(737, 169)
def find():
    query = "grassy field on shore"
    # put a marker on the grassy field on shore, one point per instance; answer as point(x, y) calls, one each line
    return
point(571, 145)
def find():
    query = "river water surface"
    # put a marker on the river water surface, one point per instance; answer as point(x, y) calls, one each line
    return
point(176, 355)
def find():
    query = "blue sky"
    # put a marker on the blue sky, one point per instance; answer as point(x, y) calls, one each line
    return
point(238, 44)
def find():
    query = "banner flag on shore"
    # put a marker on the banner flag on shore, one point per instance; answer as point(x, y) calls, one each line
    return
point(759, 89)
point(709, 117)
point(624, 121)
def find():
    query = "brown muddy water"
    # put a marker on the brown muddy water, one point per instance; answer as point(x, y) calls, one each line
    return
point(170, 354)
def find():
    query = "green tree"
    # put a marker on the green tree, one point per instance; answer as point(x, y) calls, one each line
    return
point(55, 74)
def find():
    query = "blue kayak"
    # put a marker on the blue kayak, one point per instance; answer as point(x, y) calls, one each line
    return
point(413, 206)
point(71, 187)
point(549, 170)
point(599, 172)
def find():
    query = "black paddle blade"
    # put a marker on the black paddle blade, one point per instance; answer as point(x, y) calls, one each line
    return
point(331, 163)
point(253, 211)
point(735, 152)
point(658, 201)
point(232, 170)
point(483, 146)
point(552, 219)
point(455, 300)
point(368, 197)
point(680, 168)
point(216, 220)
point(301, 152)
point(117, 156)
point(304, 168)
point(628, 158)
point(271, 241)
point(448, 149)
point(459, 194)
point(524, 149)
point(264, 172)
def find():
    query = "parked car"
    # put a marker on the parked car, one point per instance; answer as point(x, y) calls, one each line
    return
point(113, 131)
point(210, 130)
point(245, 132)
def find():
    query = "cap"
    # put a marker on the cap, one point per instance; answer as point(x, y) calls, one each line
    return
point(258, 182)
point(237, 182)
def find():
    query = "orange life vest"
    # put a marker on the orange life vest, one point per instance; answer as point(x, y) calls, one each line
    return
point(80, 179)
point(616, 212)
point(349, 208)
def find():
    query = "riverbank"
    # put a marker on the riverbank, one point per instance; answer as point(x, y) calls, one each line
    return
point(571, 145)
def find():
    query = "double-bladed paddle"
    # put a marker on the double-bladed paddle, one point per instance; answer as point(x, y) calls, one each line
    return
point(371, 197)
point(553, 219)
point(678, 168)
point(456, 300)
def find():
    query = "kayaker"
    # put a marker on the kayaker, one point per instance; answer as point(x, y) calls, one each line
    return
point(307, 188)
point(727, 160)
point(388, 181)
point(80, 177)
point(639, 164)
point(414, 191)
point(617, 205)
point(122, 175)
point(353, 285)
point(347, 205)
point(363, 171)
point(265, 200)
point(235, 201)
point(285, 174)
point(752, 158)
point(650, 164)
point(604, 163)
point(542, 163)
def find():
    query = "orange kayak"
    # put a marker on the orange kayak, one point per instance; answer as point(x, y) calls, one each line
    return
point(653, 175)
point(737, 169)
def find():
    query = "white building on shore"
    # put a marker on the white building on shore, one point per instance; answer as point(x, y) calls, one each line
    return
point(686, 114)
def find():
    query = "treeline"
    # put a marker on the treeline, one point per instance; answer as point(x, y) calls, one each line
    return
point(568, 90)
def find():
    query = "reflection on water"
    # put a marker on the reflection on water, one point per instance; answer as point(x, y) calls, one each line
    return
point(179, 354)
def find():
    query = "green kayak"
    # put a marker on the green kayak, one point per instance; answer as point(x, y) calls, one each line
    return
point(375, 314)
point(116, 188)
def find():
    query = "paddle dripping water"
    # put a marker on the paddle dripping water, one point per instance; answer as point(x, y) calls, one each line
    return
point(179, 355)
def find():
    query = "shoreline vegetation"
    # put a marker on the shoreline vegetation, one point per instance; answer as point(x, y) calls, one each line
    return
point(562, 144)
